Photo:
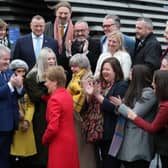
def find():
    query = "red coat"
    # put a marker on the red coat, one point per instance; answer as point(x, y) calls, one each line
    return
point(60, 131)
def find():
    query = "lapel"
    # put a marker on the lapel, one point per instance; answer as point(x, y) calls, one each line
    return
point(45, 41)
point(30, 43)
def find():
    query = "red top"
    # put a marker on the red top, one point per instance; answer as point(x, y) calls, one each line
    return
point(160, 121)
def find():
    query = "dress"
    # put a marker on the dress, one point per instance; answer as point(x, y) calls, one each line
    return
point(60, 131)
point(23, 142)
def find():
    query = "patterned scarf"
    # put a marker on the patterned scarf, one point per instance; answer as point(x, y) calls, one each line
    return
point(117, 137)
point(58, 36)
point(4, 42)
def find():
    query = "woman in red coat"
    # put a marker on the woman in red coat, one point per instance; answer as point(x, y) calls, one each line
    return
point(60, 132)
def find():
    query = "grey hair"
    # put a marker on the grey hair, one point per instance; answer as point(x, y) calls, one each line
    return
point(82, 21)
point(4, 50)
point(147, 21)
point(81, 60)
point(18, 63)
point(115, 18)
point(42, 64)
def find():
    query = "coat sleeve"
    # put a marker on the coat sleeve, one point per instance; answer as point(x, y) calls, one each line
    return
point(142, 106)
point(152, 55)
point(159, 122)
point(33, 89)
point(54, 113)
point(119, 91)
point(126, 66)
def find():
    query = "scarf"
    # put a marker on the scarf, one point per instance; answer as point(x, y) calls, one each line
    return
point(4, 42)
point(58, 36)
point(117, 137)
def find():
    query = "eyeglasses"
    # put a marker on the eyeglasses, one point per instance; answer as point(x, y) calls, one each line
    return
point(108, 25)
point(80, 30)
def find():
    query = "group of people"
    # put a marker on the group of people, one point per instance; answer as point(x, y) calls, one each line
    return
point(68, 100)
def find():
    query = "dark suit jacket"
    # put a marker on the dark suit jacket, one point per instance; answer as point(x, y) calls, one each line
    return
point(148, 52)
point(9, 115)
point(108, 109)
point(24, 48)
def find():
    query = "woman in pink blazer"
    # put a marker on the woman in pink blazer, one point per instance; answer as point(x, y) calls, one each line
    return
point(60, 132)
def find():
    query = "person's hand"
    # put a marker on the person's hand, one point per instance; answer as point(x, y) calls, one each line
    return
point(88, 87)
point(16, 81)
point(68, 48)
point(24, 125)
point(131, 115)
point(85, 47)
point(97, 89)
point(116, 100)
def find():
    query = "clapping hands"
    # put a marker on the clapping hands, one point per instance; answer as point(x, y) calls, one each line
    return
point(16, 81)
point(117, 101)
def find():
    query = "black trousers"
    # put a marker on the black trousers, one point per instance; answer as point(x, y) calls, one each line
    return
point(136, 164)
point(5, 142)
point(164, 161)
point(105, 159)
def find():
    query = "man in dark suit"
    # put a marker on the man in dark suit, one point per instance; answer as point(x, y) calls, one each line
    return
point(10, 87)
point(28, 47)
point(148, 49)
point(82, 43)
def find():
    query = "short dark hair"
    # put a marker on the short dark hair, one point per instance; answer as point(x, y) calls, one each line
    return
point(62, 4)
point(38, 17)
point(161, 84)
point(115, 18)
point(115, 64)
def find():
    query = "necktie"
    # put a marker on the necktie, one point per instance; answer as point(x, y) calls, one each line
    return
point(62, 30)
point(37, 47)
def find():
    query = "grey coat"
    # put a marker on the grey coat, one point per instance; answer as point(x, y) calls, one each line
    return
point(138, 144)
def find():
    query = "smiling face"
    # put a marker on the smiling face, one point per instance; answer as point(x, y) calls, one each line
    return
point(108, 73)
point(51, 59)
point(63, 14)
point(81, 31)
point(141, 29)
point(2, 32)
point(164, 64)
point(113, 44)
point(37, 26)
point(75, 69)
point(109, 26)
point(4, 61)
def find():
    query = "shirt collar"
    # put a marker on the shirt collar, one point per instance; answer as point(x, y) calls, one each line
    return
point(34, 36)
point(65, 25)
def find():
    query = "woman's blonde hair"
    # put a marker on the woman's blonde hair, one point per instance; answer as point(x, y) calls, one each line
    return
point(42, 63)
point(119, 37)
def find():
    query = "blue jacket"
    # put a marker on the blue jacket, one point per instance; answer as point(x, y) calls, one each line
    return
point(9, 115)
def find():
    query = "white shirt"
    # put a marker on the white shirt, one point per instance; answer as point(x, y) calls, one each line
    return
point(122, 56)
point(34, 38)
